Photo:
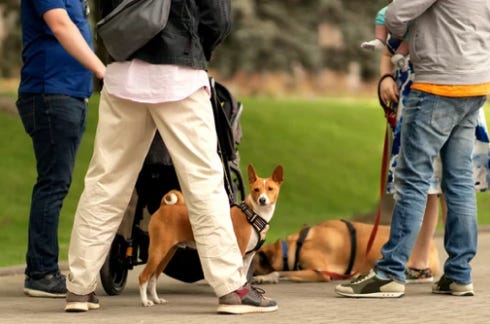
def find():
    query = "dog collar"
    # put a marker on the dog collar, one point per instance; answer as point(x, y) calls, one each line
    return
point(285, 265)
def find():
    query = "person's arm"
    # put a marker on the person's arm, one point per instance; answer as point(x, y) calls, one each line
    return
point(387, 89)
point(401, 12)
point(67, 33)
point(214, 24)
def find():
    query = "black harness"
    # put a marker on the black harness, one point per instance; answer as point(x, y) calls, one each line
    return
point(301, 239)
point(257, 222)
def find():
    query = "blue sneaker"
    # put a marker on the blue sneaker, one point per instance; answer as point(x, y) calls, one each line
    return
point(51, 285)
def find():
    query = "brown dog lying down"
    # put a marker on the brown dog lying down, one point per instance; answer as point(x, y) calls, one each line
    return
point(331, 250)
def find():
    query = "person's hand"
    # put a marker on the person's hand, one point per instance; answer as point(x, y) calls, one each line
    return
point(388, 91)
point(100, 73)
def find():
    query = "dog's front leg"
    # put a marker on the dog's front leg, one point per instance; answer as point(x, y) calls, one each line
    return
point(152, 287)
point(143, 296)
point(270, 278)
point(307, 275)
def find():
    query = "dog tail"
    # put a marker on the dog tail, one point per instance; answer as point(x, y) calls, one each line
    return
point(173, 197)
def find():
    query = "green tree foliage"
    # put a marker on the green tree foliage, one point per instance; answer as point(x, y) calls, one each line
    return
point(270, 35)
point(277, 34)
point(355, 18)
point(11, 46)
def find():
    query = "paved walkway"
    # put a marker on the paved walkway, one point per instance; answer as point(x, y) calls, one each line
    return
point(298, 303)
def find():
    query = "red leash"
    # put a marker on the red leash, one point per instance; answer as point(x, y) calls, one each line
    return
point(384, 167)
point(390, 114)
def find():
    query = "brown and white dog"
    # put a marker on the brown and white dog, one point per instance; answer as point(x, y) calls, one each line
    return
point(334, 249)
point(169, 227)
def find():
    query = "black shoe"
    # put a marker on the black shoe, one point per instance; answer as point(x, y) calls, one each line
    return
point(81, 303)
point(247, 299)
point(51, 285)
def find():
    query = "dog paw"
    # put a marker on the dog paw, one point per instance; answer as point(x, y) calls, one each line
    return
point(147, 303)
point(160, 301)
point(271, 278)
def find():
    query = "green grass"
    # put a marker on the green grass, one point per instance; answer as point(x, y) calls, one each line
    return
point(330, 150)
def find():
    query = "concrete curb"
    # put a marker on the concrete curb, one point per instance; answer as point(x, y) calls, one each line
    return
point(12, 270)
point(19, 269)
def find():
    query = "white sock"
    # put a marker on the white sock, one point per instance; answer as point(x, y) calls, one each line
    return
point(400, 61)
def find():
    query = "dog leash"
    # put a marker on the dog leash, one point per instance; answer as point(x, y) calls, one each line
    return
point(390, 114)
point(384, 162)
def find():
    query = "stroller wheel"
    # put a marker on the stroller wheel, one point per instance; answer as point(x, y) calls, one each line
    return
point(114, 271)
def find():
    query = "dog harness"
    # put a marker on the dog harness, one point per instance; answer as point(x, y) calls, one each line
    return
point(257, 222)
point(353, 246)
point(299, 244)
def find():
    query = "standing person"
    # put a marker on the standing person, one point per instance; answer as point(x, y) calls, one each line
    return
point(56, 82)
point(163, 87)
point(451, 59)
point(395, 91)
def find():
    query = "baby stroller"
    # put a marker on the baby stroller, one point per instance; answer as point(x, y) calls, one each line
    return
point(157, 177)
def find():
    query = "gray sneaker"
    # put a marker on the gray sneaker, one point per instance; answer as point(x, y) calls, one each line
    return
point(81, 303)
point(369, 285)
point(449, 287)
point(248, 299)
point(50, 285)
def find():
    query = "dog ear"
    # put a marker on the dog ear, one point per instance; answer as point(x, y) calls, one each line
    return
point(252, 175)
point(277, 175)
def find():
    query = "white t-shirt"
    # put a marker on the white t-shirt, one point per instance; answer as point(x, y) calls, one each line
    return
point(140, 81)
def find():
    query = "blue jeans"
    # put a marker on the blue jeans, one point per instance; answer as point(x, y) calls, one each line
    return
point(56, 124)
point(434, 124)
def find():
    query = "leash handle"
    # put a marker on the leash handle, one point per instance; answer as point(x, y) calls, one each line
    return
point(389, 108)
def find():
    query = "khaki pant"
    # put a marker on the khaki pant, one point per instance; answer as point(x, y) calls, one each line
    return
point(124, 133)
